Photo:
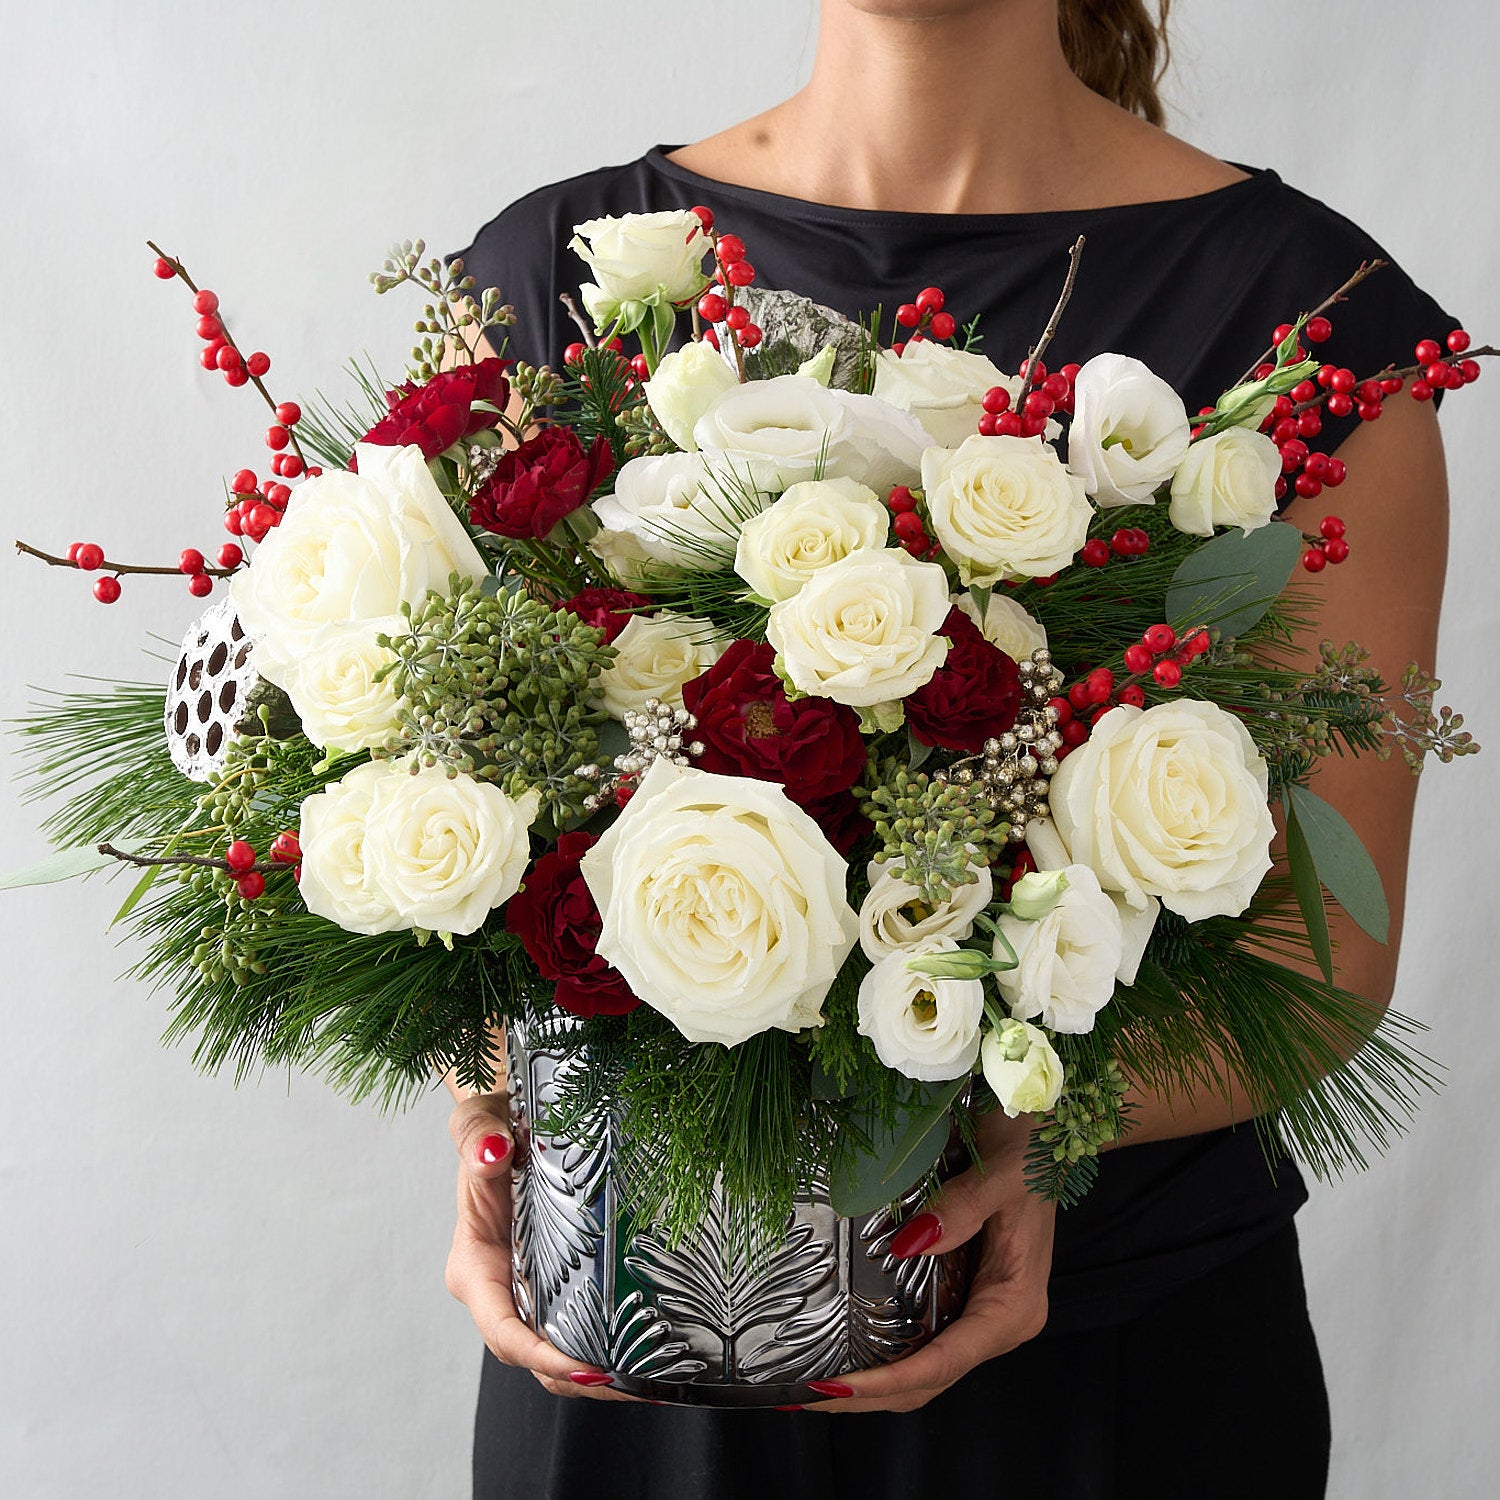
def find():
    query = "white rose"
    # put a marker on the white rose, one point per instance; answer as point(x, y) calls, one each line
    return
point(813, 524)
point(803, 430)
point(722, 904)
point(1067, 959)
point(924, 1027)
point(679, 511)
point(1228, 479)
point(351, 547)
point(334, 689)
point(942, 387)
point(331, 826)
point(1021, 1067)
point(864, 630)
point(656, 655)
point(684, 386)
point(1005, 507)
point(1130, 430)
point(1005, 624)
point(1168, 801)
point(640, 259)
point(894, 917)
point(444, 851)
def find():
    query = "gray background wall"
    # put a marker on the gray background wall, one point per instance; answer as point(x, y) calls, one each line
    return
point(214, 1292)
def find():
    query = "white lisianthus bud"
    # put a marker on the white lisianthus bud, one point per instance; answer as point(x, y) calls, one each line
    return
point(655, 656)
point(684, 386)
point(640, 260)
point(1021, 1067)
point(1228, 479)
point(1130, 430)
point(812, 525)
point(1036, 893)
point(894, 917)
point(820, 366)
point(1005, 624)
point(334, 687)
point(924, 1027)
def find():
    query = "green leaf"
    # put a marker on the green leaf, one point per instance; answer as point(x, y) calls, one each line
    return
point(1309, 891)
point(139, 889)
point(66, 864)
point(1234, 579)
point(1342, 862)
point(863, 1181)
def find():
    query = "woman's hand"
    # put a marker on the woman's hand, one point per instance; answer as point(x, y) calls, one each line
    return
point(479, 1262)
point(1008, 1301)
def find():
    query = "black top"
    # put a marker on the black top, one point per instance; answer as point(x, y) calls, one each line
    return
point(1192, 286)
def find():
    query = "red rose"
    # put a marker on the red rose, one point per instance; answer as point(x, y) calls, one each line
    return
point(555, 917)
point(974, 696)
point(609, 610)
point(748, 728)
point(842, 821)
point(436, 415)
point(536, 485)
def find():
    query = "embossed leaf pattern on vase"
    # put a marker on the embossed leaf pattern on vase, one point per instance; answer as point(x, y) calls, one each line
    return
point(633, 1340)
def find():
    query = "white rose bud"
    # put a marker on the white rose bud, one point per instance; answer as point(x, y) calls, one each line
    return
point(1005, 507)
point(656, 655)
point(924, 1027)
point(1130, 430)
point(1228, 479)
point(1005, 624)
point(1021, 1067)
point(684, 386)
point(640, 260)
point(335, 690)
point(864, 630)
point(813, 524)
point(942, 387)
point(894, 917)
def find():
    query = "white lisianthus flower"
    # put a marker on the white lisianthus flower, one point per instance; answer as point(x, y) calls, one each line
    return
point(684, 386)
point(1130, 430)
point(864, 630)
point(1228, 479)
point(1168, 801)
point(1005, 507)
point(813, 524)
point(1005, 624)
point(924, 1027)
point(1067, 959)
point(351, 548)
point(334, 687)
point(1022, 1068)
point(655, 656)
point(801, 430)
point(942, 387)
point(722, 904)
point(895, 918)
point(335, 882)
point(640, 260)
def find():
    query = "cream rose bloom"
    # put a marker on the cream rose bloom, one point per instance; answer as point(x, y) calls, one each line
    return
point(864, 630)
point(640, 259)
point(942, 387)
point(655, 656)
point(1021, 1067)
point(813, 524)
point(1067, 959)
point(1228, 479)
point(924, 1027)
point(801, 430)
point(334, 686)
point(1005, 624)
point(1168, 801)
point(722, 904)
point(335, 882)
point(351, 548)
point(685, 385)
point(895, 918)
point(1130, 430)
point(1005, 507)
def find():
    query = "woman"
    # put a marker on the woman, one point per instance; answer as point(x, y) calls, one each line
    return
point(967, 144)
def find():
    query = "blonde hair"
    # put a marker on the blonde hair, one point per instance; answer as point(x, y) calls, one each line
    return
point(1118, 49)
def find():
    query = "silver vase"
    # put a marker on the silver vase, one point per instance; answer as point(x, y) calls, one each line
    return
point(702, 1323)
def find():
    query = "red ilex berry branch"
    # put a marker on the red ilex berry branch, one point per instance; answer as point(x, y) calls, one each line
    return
point(201, 861)
point(1030, 370)
point(1367, 268)
point(83, 558)
point(926, 316)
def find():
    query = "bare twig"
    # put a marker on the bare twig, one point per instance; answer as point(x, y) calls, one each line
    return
point(566, 298)
point(1075, 255)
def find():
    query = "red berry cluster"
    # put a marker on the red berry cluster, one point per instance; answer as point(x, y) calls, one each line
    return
point(927, 317)
point(1048, 393)
point(240, 860)
point(1128, 541)
point(1163, 655)
point(731, 271)
point(908, 523)
point(219, 352)
point(1327, 547)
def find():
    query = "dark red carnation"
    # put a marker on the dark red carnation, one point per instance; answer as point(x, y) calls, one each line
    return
point(536, 485)
point(974, 696)
point(841, 820)
point(609, 610)
point(555, 917)
point(748, 728)
point(436, 415)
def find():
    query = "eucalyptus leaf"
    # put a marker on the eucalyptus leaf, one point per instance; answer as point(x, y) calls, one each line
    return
point(1234, 579)
point(66, 864)
point(916, 752)
point(1342, 862)
point(863, 1181)
point(1309, 891)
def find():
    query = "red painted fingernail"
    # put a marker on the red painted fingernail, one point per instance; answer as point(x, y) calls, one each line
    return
point(786, 1408)
point(491, 1149)
point(922, 1233)
point(830, 1388)
point(590, 1377)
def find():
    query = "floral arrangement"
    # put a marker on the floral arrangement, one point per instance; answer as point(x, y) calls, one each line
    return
point(784, 723)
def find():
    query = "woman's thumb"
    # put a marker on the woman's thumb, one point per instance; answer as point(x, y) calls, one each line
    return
point(480, 1127)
